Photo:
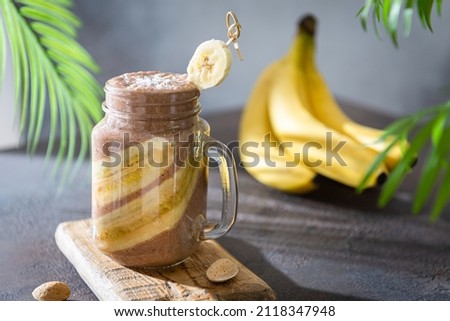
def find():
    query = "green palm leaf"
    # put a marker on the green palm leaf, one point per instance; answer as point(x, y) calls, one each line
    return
point(402, 168)
point(389, 12)
point(51, 71)
point(433, 132)
point(2, 51)
point(431, 124)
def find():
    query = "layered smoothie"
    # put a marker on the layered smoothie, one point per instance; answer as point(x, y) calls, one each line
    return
point(149, 185)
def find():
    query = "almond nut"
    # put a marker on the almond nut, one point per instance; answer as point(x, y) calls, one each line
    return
point(222, 270)
point(52, 291)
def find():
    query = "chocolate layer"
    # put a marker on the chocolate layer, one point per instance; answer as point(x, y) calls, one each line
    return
point(124, 199)
point(171, 246)
point(152, 93)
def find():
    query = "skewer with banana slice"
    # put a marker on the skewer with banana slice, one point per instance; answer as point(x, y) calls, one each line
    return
point(212, 60)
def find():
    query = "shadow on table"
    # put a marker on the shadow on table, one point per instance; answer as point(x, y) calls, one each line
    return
point(285, 288)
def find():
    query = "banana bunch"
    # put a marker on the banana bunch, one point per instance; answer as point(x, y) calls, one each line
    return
point(292, 129)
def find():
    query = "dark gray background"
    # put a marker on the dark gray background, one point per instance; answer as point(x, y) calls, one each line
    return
point(154, 34)
point(133, 35)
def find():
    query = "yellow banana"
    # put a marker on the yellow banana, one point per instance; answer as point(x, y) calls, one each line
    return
point(325, 108)
point(292, 122)
point(271, 168)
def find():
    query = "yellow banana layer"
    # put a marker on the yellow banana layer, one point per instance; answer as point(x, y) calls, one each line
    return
point(111, 192)
point(147, 205)
point(141, 220)
point(111, 184)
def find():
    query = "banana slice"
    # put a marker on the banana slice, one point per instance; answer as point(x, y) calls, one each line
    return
point(210, 64)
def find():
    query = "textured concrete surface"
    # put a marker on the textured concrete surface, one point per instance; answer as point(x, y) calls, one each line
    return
point(328, 245)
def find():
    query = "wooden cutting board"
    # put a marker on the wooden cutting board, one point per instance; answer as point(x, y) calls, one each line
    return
point(186, 281)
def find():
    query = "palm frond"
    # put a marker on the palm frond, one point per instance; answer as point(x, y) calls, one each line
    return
point(51, 71)
point(390, 12)
point(432, 129)
point(431, 124)
point(2, 51)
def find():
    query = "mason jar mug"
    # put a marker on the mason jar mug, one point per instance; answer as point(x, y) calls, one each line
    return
point(150, 158)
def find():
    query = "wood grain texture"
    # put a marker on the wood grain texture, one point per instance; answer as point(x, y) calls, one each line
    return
point(186, 281)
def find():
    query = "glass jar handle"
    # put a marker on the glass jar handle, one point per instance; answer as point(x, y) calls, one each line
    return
point(222, 155)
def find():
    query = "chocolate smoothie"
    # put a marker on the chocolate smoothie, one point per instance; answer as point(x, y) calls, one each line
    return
point(148, 187)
